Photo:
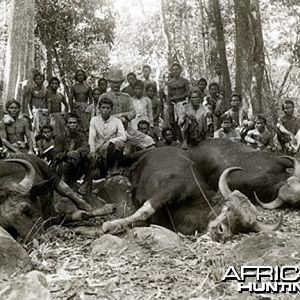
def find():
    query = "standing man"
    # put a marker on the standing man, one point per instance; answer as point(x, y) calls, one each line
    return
point(146, 76)
point(178, 93)
point(129, 89)
point(124, 110)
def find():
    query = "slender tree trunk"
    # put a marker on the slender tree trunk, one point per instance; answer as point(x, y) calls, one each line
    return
point(187, 41)
point(222, 50)
point(166, 31)
point(20, 47)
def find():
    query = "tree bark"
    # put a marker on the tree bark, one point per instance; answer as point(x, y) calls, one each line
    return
point(222, 51)
point(20, 48)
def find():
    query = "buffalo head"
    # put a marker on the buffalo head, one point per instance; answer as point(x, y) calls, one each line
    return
point(19, 215)
point(238, 215)
point(289, 192)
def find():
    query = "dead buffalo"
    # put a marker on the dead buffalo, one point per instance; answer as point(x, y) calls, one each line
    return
point(275, 180)
point(27, 197)
point(169, 189)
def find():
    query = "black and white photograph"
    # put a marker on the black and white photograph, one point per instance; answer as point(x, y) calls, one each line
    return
point(149, 149)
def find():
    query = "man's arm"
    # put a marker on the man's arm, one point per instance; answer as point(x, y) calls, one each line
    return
point(249, 138)
point(28, 137)
point(150, 112)
point(71, 98)
point(92, 136)
point(121, 134)
point(64, 101)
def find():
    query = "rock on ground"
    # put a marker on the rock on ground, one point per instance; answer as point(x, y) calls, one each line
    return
point(32, 286)
point(13, 257)
point(157, 237)
point(107, 244)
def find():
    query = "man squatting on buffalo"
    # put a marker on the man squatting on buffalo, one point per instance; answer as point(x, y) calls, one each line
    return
point(71, 151)
point(106, 139)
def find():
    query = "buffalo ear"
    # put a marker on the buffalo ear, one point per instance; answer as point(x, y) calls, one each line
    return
point(43, 187)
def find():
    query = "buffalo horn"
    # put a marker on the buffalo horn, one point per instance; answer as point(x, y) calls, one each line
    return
point(27, 181)
point(223, 184)
point(296, 165)
point(265, 227)
point(271, 205)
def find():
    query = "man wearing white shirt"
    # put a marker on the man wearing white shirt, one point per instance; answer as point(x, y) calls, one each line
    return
point(106, 139)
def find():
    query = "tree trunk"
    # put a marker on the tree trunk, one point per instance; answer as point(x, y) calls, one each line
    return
point(20, 47)
point(250, 58)
point(166, 31)
point(222, 51)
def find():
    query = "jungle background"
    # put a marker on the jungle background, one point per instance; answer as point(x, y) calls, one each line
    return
point(255, 41)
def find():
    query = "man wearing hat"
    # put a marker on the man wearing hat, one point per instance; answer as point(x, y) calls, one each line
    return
point(124, 110)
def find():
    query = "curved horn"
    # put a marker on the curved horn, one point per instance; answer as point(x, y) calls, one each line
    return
point(265, 227)
point(27, 181)
point(223, 184)
point(271, 205)
point(296, 165)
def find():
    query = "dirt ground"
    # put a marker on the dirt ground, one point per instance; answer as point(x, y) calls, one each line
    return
point(137, 271)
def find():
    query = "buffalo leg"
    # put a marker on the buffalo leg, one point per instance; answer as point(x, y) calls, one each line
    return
point(80, 215)
point(142, 214)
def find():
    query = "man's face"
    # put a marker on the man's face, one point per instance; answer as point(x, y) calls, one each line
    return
point(151, 93)
point(235, 102)
point(80, 76)
point(146, 72)
point(176, 71)
point(54, 85)
point(102, 85)
point(214, 91)
point(47, 133)
point(169, 136)
point(72, 125)
point(105, 110)
point(131, 80)
point(138, 90)
point(218, 70)
point(39, 80)
point(202, 85)
point(260, 125)
point(288, 109)
point(195, 99)
point(13, 110)
point(226, 125)
point(144, 128)
point(96, 95)
point(115, 85)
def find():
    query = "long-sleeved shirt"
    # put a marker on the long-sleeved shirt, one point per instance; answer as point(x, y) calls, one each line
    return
point(143, 111)
point(102, 131)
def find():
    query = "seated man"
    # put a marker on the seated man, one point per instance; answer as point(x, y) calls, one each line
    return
point(198, 121)
point(70, 153)
point(45, 144)
point(106, 138)
point(168, 138)
point(288, 129)
point(260, 138)
point(227, 131)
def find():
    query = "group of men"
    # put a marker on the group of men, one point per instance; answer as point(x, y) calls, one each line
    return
point(91, 139)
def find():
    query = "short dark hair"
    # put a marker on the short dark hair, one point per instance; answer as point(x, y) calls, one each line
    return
point(72, 115)
point(236, 95)
point(105, 101)
point(261, 118)
point(146, 67)
point(96, 89)
point(46, 127)
point(12, 101)
point(165, 129)
point(288, 102)
point(213, 84)
point(139, 83)
point(151, 85)
point(131, 73)
point(102, 79)
point(54, 79)
point(176, 64)
point(226, 117)
point(202, 80)
point(143, 122)
point(38, 74)
point(76, 74)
